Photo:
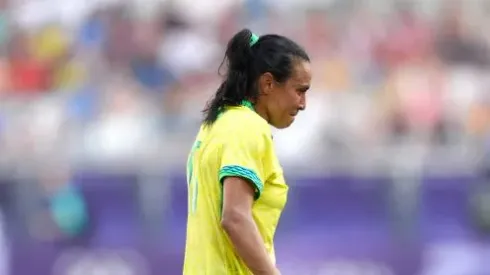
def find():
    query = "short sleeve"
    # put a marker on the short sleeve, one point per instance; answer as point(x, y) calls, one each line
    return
point(242, 156)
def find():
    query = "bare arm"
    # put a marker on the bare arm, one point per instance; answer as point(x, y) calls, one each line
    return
point(238, 223)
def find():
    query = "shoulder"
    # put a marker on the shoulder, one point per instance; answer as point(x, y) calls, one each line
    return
point(240, 120)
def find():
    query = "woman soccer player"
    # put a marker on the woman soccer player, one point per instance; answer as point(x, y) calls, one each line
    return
point(236, 186)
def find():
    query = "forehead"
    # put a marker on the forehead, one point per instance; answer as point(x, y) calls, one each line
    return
point(301, 74)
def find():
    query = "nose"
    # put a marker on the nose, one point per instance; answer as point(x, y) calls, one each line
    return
point(302, 103)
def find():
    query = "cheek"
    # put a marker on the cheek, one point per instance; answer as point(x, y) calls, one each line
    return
point(275, 108)
point(293, 99)
point(283, 104)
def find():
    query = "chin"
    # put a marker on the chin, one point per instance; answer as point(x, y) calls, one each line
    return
point(283, 125)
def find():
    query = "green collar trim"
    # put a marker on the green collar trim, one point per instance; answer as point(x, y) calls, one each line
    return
point(248, 104)
point(244, 103)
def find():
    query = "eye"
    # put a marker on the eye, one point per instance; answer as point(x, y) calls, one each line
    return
point(302, 90)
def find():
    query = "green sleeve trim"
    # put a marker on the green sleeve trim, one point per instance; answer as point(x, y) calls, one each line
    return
point(242, 172)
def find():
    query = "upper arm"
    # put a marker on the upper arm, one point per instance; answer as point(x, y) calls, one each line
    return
point(242, 157)
point(238, 198)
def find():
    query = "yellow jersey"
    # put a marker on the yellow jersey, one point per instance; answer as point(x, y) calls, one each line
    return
point(238, 144)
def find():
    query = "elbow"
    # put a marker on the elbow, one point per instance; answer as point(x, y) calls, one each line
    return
point(231, 220)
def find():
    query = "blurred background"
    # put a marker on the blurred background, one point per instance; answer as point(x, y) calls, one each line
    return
point(100, 101)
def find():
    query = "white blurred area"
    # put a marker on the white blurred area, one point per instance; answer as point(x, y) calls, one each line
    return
point(124, 82)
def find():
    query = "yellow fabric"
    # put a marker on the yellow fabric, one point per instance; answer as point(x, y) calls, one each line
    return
point(239, 144)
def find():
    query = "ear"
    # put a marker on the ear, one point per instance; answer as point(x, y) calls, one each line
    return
point(266, 83)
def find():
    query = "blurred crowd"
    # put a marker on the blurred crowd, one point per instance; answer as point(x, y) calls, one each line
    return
point(115, 80)
point(403, 86)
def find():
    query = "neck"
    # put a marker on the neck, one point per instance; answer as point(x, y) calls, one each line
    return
point(261, 111)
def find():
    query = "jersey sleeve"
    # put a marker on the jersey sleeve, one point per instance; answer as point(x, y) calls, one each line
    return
point(242, 156)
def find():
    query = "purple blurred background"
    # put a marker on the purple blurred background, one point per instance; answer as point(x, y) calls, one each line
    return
point(338, 224)
point(389, 166)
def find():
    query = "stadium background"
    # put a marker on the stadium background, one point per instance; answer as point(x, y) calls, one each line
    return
point(388, 167)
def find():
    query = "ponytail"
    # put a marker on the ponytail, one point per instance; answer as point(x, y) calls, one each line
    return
point(247, 57)
point(239, 77)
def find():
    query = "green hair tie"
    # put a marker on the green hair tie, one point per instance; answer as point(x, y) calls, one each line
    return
point(253, 39)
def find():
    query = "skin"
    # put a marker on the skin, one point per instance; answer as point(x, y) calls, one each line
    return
point(278, 103)
point(238, 223)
